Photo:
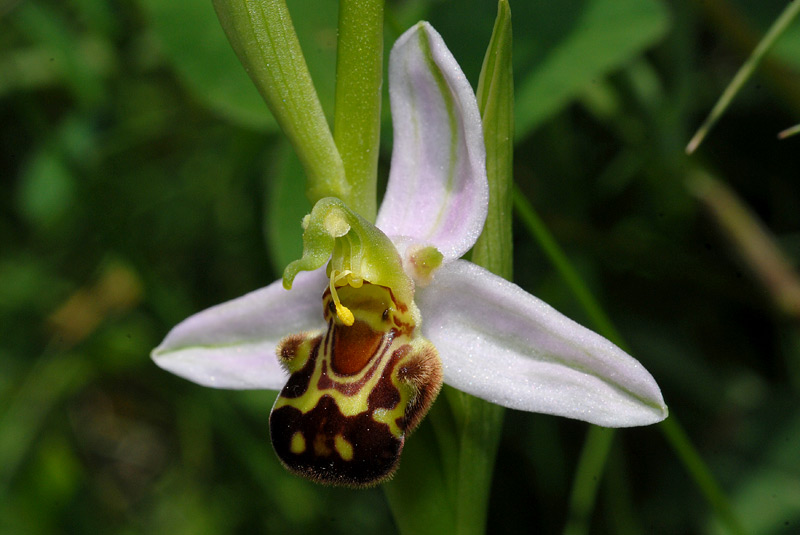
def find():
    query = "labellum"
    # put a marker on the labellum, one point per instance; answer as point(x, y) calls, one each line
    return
point(356, 389)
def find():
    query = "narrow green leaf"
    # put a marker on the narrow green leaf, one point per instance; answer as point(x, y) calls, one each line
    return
point(701, 474)
point(588, 475)
point(496, 103)
point(262, 34)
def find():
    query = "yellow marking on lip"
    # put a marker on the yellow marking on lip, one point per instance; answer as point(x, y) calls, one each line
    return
point(298, 444)
point(343, 447)
point(356, 404)
point(385, 416)
point(349, 405)
point(372, 303)
point(390, 416)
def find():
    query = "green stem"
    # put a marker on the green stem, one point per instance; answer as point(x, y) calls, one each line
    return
point(592, 463)
point(262, 34)
point(622, 517)
point(357, 119)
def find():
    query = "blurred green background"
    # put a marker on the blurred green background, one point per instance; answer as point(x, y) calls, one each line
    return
point(144, 180)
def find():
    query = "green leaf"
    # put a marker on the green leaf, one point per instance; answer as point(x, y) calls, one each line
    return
point(788, 48)
point(588, 39)
point(495, 94)
point(263, 36)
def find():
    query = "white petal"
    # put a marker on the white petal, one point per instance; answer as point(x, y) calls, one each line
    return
point(499, 343)
point(437, 192)
point(232, 345)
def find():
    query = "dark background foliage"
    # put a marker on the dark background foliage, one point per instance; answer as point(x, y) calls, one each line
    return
point(144, 180)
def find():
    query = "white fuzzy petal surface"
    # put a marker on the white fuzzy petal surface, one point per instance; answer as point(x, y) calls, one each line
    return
point(499, 343)
point(232, 345)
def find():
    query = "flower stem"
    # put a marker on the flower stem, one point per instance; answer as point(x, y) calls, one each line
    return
point(359, 75)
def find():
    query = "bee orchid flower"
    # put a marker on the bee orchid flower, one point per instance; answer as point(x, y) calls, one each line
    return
point(379, 315)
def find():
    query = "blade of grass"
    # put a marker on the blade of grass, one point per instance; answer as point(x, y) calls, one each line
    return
point(745, 72)
point(701, 474)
